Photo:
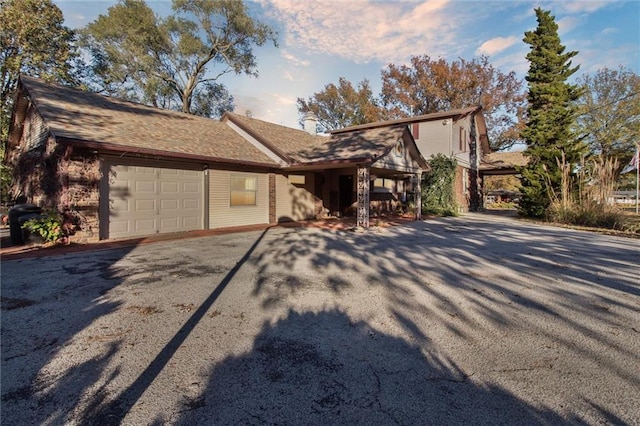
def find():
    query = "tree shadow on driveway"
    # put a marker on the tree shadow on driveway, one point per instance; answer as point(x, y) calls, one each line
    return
point(551, 310)
point(324, 368)
point(443, 321)
point(37, 375)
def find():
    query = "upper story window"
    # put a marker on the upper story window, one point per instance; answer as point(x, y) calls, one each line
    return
point(464, 140)
point(243, 190)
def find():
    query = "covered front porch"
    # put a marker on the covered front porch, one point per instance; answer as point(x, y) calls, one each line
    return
point(361, 173)
point(361, 193)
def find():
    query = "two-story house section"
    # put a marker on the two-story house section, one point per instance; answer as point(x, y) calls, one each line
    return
point(460, 134)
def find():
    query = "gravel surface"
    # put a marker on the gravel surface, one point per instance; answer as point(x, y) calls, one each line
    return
point(470, 320)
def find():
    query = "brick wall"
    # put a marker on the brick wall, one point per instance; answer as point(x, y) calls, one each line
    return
point(462, 199)
point(272, 198)
point(82, 194)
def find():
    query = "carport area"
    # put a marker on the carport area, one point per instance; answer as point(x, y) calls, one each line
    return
point(471, 320)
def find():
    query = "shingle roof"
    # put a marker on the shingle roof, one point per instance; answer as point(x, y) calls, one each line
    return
point(503, 160)
point(299, 147)
point(359, 144)
point(415, 119)
point(283, 140)
point(75, 116)
point(79, 116)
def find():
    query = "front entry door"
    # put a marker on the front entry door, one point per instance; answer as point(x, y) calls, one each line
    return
point(345, 187)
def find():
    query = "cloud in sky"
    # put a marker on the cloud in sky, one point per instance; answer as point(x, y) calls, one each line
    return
point(496, 45)
point(582, 6)
point(294, 60)
point(322, 40)
point(364, 30)
point(567, 24)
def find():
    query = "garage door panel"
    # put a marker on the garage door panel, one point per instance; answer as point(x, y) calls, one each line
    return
point(169, 187)
point(141, 170)
point(119, 226)
point(144, 206)
point(190, 188)
point(145, 226)
point(150, 200)
point(121, 204)
point(170, 172)
point(191, 204)
point(172, 223)
point(169, 204)
point(144, 187)
point(191, 173)
point(190, 221)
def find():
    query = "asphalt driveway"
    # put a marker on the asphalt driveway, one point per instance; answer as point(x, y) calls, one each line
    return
point(477, 320)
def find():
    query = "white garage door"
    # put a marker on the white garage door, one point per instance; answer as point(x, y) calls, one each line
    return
point(152, 200)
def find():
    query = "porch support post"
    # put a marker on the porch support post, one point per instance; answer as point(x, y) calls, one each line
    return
point(364, 174)
point(417, 195)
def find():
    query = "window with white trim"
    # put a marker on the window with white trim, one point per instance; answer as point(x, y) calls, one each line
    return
point(242, 190)
point(464, 143)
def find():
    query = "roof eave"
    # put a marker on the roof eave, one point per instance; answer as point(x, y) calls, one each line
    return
point(109, 147)
point(329, 163)
point(419, 118)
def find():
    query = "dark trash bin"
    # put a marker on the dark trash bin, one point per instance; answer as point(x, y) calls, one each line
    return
point(16, 213)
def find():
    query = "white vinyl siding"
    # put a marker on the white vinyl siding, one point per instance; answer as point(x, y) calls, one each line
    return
point(222, 214)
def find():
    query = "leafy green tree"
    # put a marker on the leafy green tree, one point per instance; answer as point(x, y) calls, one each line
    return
point(438, 195)
point(175, 62)
point(33, 41)
point(427, 85)
point(550, 114)
point(609, 113)
point(343, 105)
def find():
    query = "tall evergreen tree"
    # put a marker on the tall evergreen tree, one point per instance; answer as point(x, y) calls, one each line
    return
point(550, 114)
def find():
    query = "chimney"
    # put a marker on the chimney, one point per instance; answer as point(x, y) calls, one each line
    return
point(310, 123)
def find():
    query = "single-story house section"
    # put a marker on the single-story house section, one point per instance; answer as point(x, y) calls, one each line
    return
point(121, 169)
point(379, 168)
point(460, 134)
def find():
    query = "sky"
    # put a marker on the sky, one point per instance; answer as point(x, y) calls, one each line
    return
point(320, 41)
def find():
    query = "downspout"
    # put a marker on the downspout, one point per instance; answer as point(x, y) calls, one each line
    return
point(206, 198)
point(474, 163)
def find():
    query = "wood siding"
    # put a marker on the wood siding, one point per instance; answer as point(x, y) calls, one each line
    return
point(222, 214)
point(35, 131)
point(398, 160)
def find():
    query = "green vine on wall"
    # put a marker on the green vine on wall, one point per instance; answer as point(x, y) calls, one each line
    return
point(438, 197)
point(49, 226)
